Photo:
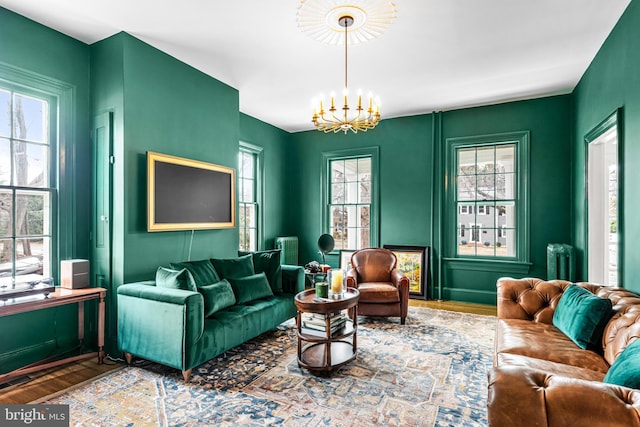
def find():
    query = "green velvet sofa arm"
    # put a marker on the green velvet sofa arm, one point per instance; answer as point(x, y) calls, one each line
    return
point(292, 279)
point(159, 324)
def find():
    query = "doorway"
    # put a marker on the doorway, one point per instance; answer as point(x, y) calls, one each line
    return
point(603, 204)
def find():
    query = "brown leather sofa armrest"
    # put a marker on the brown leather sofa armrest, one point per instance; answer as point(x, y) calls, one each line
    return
point(525, 396)
point(352, 278)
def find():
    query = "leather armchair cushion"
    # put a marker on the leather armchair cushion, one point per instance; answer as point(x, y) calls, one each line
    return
point(544, 341)
point(378, 292)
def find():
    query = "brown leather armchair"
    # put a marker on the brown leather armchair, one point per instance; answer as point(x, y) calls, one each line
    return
point(384, 290)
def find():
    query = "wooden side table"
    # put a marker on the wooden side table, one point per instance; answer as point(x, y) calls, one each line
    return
point(61, 296)
point(328, 352)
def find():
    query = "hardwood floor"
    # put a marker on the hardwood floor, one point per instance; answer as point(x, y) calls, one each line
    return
point(38, 385)
point(44, 383)
point(487, 310)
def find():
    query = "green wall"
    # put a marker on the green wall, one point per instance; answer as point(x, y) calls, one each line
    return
point(277, 180)
point(159, 104)
point(411, 181)
point(406, 171)
point(612, 81)
point(27, 48)
point(549, 122)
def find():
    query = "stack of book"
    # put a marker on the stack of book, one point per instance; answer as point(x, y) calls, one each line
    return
point(317, 322)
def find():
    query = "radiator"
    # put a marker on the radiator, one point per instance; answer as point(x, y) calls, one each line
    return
point(289, 248)
point(561, 263)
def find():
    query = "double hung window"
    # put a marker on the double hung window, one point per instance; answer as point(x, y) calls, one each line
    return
point(248, 199)
point(350, 188)
point(27, 131)
point(490, 196)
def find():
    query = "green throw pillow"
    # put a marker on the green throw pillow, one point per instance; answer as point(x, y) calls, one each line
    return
point(202, 271)
point(581, 316)
point(250, 288)
point(217, 296)
point(234, 267)
point(175, 279)
point(268, 262)
point(203, 275)
point(625, 371)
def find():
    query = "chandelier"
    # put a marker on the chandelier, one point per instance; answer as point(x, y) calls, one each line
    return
point(359, 21)
point(333, 120)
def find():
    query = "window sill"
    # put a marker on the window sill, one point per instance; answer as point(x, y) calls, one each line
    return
point(503, 266)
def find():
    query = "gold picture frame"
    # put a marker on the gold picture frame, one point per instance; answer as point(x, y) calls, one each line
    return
point(185, 194)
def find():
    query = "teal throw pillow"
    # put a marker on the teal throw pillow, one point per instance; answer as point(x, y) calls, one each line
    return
point(581, 316)
point(175, 279)
point(268, 262)
point(250, 288)
point(202, 271)
point(234, 267)
point(203, 275)
point(217, 296)
point(625, 370)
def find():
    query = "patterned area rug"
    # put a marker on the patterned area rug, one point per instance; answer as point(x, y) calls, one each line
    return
point(430, 372)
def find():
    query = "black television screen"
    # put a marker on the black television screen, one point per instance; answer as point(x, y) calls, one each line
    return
point(186, 194)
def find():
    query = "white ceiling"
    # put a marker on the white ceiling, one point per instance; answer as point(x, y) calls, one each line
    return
point(437, 55)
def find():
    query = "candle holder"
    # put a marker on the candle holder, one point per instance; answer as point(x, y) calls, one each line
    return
point(336, 279)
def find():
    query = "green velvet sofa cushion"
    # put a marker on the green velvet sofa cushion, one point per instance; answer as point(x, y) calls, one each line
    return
point(217, 296)
point(202, 271)
point(234, 267)
point(625, 371)
point(581, 316)
point(175, 279)
point(205, 276)
point(250, 288)
point(268, 262)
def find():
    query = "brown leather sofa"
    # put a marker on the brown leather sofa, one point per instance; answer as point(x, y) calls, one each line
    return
point(541, 378)
point(384, 290)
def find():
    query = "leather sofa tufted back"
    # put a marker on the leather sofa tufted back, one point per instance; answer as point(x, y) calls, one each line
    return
point(536, 300)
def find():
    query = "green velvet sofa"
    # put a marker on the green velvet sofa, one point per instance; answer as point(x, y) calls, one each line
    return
point(183, 328)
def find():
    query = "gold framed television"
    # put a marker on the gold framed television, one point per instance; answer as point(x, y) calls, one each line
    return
point(185, 194)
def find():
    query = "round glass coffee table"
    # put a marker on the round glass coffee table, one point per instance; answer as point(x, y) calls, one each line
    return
point(325, 348)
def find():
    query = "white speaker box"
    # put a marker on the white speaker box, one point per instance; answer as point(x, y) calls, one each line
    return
point(74, 273)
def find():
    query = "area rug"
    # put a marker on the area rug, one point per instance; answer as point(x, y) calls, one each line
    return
point(430, 372)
